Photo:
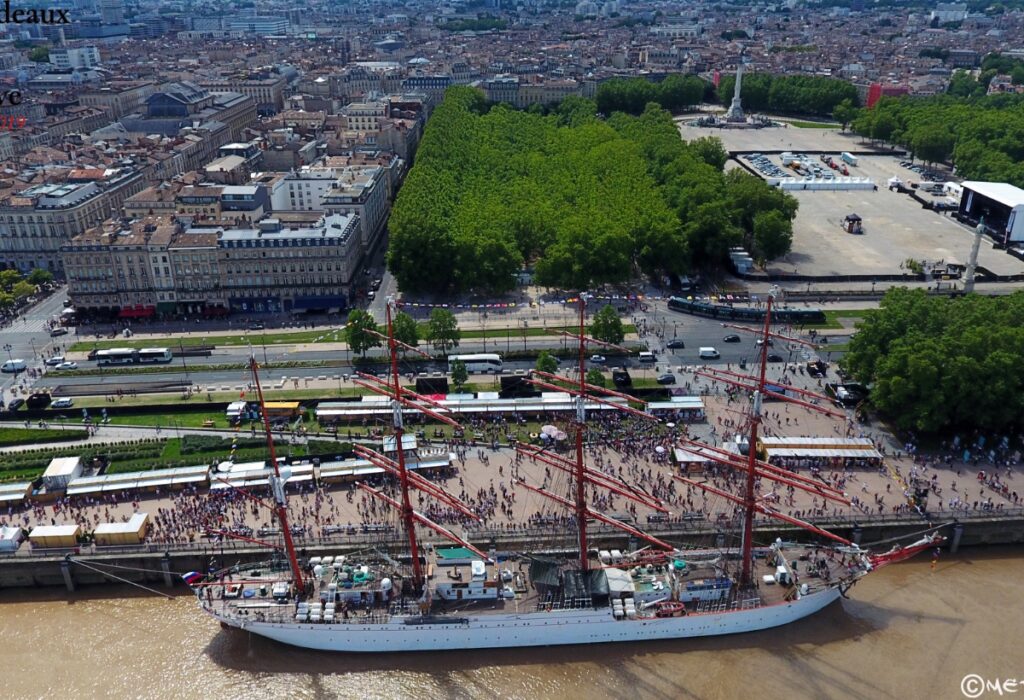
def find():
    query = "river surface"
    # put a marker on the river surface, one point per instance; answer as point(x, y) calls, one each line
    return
point(908, 632)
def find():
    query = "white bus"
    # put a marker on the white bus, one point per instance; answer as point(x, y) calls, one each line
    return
point(117, 356)
point(483, 362)
point(153, 355)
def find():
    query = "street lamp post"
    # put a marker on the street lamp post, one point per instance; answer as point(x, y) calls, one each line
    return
point(263, 340)
point(35, 355)
point(8, 347)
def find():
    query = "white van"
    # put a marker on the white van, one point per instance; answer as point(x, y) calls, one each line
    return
point(708, 353)
point(13, 366)
point(647, 356)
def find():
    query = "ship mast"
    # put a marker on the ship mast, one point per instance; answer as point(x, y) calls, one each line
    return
point(581, 426)
point(749, 502)
point(408, 516)
point(276, 482)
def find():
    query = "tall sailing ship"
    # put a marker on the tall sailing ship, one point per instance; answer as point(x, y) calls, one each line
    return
point(463, 598)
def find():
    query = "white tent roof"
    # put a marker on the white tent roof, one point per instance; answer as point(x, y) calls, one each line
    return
point(10, 533)
point(131, 527)
point(62, 466)
point(55, 531)
point(1002, 192)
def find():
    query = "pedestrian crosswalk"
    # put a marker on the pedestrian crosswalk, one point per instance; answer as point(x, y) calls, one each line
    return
point(29, 325)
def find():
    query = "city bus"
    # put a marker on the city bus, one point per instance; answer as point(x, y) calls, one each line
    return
point(153, 355)
point(116, 356)
point(482, 362)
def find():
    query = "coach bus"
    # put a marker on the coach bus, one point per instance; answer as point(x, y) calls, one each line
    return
point(153, 355)
point(116, 356)
point(482, 362)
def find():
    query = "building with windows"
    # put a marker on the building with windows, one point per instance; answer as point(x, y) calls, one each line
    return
point(153, 266)
point(84, 57)
point(36, 222)
point(266, 88)
point(273, 268)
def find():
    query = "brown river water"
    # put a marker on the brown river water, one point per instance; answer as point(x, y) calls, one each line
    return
point(908, 631)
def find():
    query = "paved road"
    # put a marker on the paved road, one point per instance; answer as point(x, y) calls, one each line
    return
point(28, 338)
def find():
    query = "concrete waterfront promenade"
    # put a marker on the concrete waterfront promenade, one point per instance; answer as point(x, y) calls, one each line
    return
point(333, 516)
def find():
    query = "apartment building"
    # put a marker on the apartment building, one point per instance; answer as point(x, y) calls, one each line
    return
point(272, 268)
point(36, 222)
point(154, 267)
point(121, 270)
point(265, 88)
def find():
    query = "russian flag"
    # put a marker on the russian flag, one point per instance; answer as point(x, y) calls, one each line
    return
point(192, 577)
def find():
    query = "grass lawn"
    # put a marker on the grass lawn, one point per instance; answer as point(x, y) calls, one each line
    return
point(813, 125)
point(31, 436)
point(323, 335)
point(832, 318)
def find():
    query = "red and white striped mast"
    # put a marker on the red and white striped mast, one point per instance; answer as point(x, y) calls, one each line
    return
point(402, 398)
point(276, 482)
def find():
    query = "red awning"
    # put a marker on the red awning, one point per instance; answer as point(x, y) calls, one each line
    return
point(137, 312)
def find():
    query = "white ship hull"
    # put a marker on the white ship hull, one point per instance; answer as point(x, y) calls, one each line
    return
point(532, 629)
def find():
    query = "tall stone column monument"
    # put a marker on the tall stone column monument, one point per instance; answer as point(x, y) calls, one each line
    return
point(735, 112)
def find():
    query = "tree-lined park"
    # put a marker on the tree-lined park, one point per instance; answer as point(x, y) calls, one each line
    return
point(582, 200)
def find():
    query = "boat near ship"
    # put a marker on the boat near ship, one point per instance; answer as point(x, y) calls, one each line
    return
point(432, 597)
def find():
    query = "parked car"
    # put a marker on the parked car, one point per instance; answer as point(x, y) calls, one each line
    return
point(676, 344)
point(63, 403)
point(772, 357)
point(256, 326)
point(54, 361)
point(67, 365)
point(15, 404)
point(598, 359)
point(731, 339)
point(667, 379)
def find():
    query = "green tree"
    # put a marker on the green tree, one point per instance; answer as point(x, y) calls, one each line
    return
point(40, 277)
point(357, 331)
point(460, 375)
point(596, 377)
point(710, 150)
point(844, 112)
point(6, 300)
point(773, 235)
point(607, 326)
point(23, 289)
point(8, 278)
point(883, 127)
point(933, 144)
point(39, 54)
point(406, 329)
point(443, 330)
point(546, 362)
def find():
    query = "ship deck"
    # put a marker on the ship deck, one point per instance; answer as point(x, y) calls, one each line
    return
point(228, 597)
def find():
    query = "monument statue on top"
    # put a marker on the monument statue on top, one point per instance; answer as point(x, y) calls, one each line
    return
point(735, 112)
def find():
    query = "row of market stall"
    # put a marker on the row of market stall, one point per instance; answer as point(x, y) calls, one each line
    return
point(129, 532)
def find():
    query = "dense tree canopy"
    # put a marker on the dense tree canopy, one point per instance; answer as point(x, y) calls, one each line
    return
point(983, 135)
point(935, 363)
point(586, 201)
point(792, 94)
point(631, 95)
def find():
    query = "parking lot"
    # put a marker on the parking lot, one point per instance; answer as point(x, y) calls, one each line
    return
point(895, 226)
